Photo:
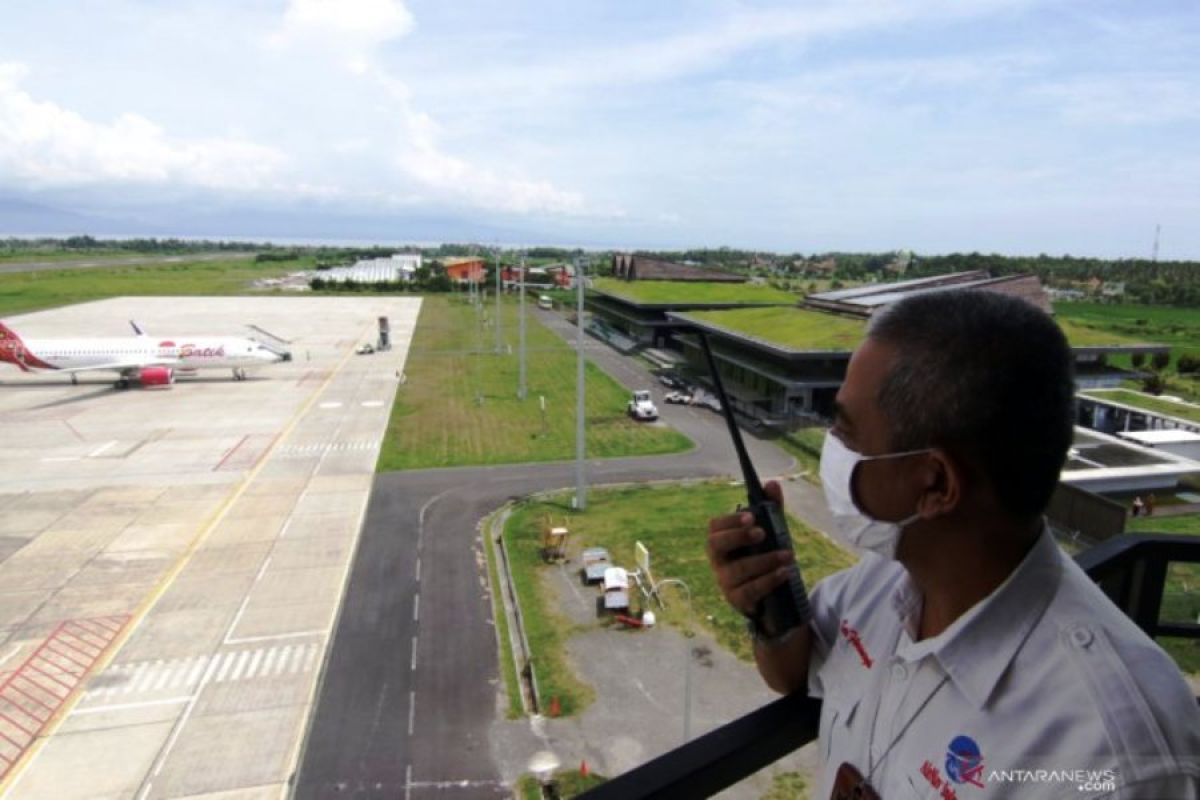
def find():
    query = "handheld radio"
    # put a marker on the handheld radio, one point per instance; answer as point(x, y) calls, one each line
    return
point(786, 607)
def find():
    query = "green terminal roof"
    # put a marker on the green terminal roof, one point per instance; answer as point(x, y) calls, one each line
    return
point(801, 329)
point(685, 292)
point(1157, 405)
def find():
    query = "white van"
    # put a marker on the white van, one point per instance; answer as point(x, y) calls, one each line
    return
point(545, 301)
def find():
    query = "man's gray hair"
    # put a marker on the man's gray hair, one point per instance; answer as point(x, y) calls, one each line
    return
point(988, 378)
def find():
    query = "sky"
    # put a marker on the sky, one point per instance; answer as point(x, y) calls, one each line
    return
point(1006, 126)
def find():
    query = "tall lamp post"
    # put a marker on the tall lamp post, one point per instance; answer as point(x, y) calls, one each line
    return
point(580, 448)
point(499, 291)
point(687, 664)
point(521, 387)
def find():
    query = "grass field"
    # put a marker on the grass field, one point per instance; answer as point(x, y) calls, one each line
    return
point(1140, 400)
point(459, 404)
point(672, 522)
point(652, 292)
point(32, 291)
point(1177, 327)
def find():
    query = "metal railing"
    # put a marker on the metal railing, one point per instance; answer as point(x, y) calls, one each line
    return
point(1131, 569)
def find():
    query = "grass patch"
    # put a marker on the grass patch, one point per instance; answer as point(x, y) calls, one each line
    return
point(508, 668)
point(672, 522)
point(31, 291)
point(805, 445)
point(685, 292)
point(568, 782)
point(1147, 402)
point(788, 786)
point(459, 404)
point(791, 328)
point(1081, 335)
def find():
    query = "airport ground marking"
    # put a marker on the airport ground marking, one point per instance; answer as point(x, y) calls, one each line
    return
point(166, 701)
point(99, 451)
point(16, 769)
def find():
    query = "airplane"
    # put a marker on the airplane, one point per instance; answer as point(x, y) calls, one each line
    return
point(141, 358)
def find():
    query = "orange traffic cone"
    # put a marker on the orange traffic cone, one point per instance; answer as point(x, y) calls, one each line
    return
point(555, 708)
point(583, 770)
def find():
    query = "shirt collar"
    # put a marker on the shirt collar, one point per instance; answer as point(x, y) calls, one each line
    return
point(977, 648)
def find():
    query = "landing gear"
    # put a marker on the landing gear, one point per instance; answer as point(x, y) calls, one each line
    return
point(74, 379)
point(239, 374)
point(122, 383)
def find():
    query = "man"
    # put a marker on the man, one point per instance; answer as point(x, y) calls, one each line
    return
point(965, 652)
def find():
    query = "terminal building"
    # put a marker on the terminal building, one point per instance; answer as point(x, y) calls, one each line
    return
point(783, 361)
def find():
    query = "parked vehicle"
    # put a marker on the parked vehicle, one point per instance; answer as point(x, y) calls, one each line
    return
point(641, 407)
point(365, 349)
point(680, 398)
point(545, 302)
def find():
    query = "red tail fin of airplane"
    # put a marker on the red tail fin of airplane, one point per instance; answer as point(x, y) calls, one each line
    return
point(12, 349)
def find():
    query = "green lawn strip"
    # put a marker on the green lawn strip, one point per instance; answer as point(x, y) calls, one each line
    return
point(508, 668)
point(31, 291)
point(682, 292)
point(569, 782)
point(805, 446)
point(671, 521)
point(1181, 594)
point(788, 786)
point(1084, 335)
point(1174, 326)
point(1158, 405)
point(459, 405)
point(546, 630)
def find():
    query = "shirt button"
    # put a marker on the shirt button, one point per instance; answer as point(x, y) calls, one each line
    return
point(1081, 636)
point(899, 673)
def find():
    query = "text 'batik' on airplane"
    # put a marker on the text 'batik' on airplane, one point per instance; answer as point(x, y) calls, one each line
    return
point(147, 360)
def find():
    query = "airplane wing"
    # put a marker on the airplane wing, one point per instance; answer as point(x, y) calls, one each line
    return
point(123, 366)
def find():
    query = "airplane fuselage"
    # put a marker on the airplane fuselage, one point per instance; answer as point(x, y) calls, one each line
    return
point(188, 354)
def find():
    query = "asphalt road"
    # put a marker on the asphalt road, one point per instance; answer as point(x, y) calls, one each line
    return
point(409, 690)
point(129, 261)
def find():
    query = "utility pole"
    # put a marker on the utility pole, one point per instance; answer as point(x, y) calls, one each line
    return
point(521, 388)
point(499, 291)
point(580, 448)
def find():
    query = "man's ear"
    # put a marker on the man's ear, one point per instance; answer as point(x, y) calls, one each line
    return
point(941, 481)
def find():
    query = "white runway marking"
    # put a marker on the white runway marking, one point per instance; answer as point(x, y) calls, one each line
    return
point(148, 677)
point(330, 404)
point(372, 404)
point(166, 701)
point(414, 653)
point(61, 458)
point(416, 608)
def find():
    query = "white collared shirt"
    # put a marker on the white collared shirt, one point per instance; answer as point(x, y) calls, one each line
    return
point(1042, 689)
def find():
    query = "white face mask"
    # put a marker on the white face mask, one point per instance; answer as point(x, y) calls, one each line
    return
point(838, 463)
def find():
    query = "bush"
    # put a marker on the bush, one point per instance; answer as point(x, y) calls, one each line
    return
point(1188, 363)
point(1154, 383)
point(1138, 360)
point(1160, 361)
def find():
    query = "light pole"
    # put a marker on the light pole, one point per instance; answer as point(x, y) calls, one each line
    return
point(499, 291)
point(687, 664)
point(521, 388)
point(580, 448)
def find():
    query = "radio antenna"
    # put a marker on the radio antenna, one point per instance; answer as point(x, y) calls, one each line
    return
point(754, 489)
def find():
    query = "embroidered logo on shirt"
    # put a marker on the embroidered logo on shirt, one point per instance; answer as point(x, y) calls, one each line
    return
point(851, 635)
point(933, 776)
point(964, 761)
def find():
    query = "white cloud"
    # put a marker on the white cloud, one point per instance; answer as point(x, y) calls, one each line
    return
point(350, 29)
point(421, 157)
point(45, 145)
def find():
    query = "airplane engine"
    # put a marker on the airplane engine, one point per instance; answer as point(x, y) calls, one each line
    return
point(156, 376)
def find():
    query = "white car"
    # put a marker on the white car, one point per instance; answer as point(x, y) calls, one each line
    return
point(682, 398)
point(641, 407)
point(365, 349)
